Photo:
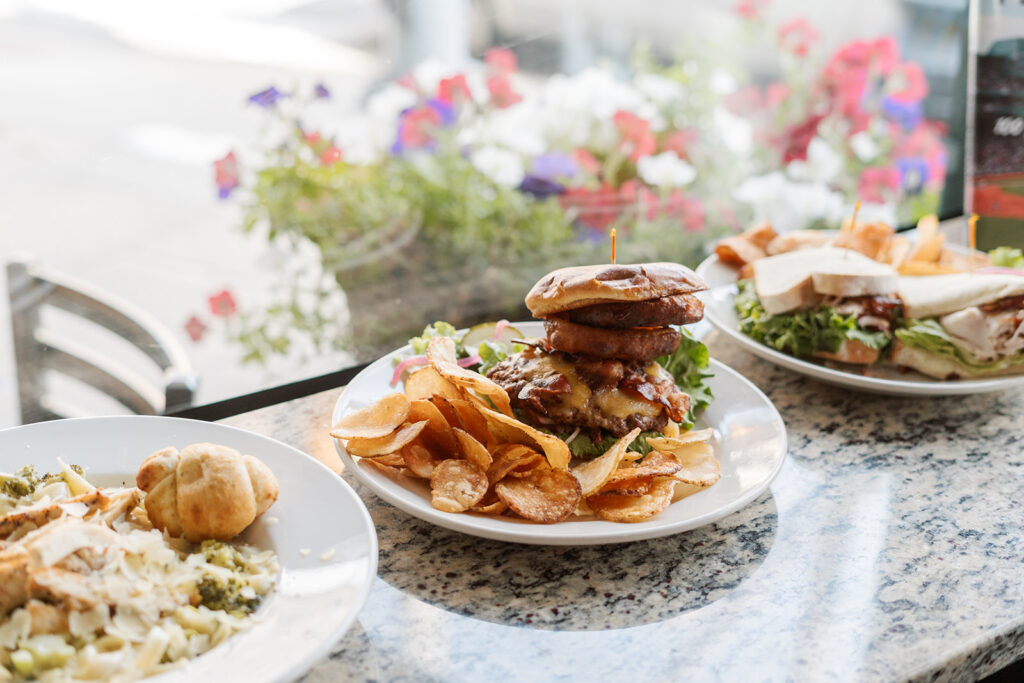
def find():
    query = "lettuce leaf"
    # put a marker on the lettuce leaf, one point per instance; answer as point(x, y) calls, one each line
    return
point(1007, 257)
point(929, 335)
point(491, 353)
point(582, 446)
point(438, 329)
point(688, 365)
point(803, 332)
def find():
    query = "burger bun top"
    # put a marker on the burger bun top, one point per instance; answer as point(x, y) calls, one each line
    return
point(579, 286)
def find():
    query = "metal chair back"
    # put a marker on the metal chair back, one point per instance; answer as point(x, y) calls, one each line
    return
point(39, 350)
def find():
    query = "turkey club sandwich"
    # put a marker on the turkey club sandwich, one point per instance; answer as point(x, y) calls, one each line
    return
point(829, 303)
point(962, 326)
point(613, 358)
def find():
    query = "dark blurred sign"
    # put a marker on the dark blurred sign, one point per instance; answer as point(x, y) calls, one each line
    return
point(995, 135)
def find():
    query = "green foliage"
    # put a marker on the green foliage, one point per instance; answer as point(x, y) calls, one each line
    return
point(583, 446)
point(930, 336)
point(438, 329)
point(688, 365)
point(803, 332)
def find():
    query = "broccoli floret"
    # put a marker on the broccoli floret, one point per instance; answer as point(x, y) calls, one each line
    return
point(21, 483)
point(222, 554)
point(229, 595)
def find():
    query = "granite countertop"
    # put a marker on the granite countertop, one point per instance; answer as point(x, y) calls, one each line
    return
point(889, 548)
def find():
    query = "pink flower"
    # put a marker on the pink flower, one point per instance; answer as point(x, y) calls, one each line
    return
point(417, 126)
point(454, 90)
point(502, 93)
point(911, 83)
point(750, 9)
point(222, 304)
point(637, 139)
point(195, 328)
point(330, 156)
point(774, 94)
point(797, 36)
point(225, 172)
point(876, 183)
point(884, 55)
point(501, 60)
point(692, 211)
point(680, 141)
point(311, 138)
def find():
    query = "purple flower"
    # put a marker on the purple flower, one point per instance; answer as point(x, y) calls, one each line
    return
point(267, 98)
point(913, 173)
point(554, 165)
point(541, 188)
point(907, 114)
point(321, 91)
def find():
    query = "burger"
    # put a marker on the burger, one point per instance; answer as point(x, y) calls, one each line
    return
point(595, 375)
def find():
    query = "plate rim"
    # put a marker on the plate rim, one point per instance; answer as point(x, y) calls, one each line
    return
point(881, 385)
point(305, 663)
point(520, 532)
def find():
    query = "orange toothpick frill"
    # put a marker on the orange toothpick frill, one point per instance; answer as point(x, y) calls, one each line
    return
point(972, 239)
point(613, 245)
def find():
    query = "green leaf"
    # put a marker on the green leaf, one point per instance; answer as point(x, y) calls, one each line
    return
point(930, 336)
point(688, 365)
point(1007, 257)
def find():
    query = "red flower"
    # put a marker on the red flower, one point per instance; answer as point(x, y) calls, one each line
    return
point(501, 60)
point(637, 139)
point(750, 9)
point(912, 81)
point(795, 140)
point(585, 160)
point(797, 36)
point(330, 156)
point(225, 172)
point(195, 328)
point(311, 138)
point(875, 183)
point(454, 90)
point(692, 210)
point(223, 304)
point(417, 126)
point(502, 93)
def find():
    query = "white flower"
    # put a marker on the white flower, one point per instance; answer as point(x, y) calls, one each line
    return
point(737, 133)
point(790, 205)
point(387, 103)
point(665, 170)
point(661, 90)
point(864, 146)
point(722, 82)
point(500, 165)
point(823, 163)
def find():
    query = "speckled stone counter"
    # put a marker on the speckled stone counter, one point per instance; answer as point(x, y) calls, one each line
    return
point(890, 547)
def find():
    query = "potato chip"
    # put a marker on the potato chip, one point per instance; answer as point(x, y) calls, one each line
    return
point(592, 475)
point(916, 268)
point(668, 444)
point(636, 486)
point(441, 354)
point(390, 460)
point(447, 410)
point(427, 382)
point(420, 461)
point(438, 433)
point(369, 448)
point(510, 430)
point(654, 464)
point(472, 421)
point(372, 463)
point(457, 485)
point(379, 419)
point(509, 457)
point(546, 495)
point(524, 469)
point(685, 490)
point(615, 508)
point(490, 505)
point(698, 465)
point(472, 450)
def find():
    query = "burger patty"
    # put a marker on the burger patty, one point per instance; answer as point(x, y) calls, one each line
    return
point(554, 389)
point(634, 344)
point(680, 309)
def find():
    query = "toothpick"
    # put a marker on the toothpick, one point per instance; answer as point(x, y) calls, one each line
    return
point(853, 224)
point(613, 245)
point(972, 239)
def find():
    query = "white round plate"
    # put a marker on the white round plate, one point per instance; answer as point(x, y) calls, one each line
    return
point(750, 443)
point(315, 601)
point(719, 310)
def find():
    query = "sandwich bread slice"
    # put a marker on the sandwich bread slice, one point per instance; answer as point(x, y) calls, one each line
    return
point(961, 326)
